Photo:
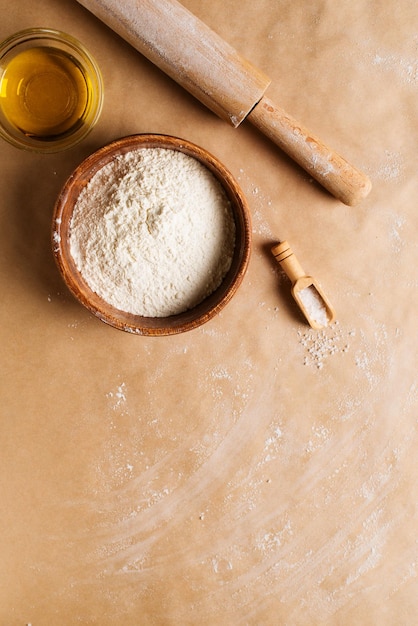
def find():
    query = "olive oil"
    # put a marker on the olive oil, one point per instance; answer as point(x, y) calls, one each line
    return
point(44, 93)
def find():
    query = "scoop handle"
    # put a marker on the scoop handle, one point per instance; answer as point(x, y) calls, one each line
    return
point(339, 177)
point(289, 263)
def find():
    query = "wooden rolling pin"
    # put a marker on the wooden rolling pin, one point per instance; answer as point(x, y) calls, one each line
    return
point(209, 68)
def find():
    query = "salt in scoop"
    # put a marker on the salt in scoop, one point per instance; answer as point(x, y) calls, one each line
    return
point(306, 291)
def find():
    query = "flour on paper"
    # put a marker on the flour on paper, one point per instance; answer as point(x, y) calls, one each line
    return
point(118, 397)
point(406, 69)
point(260, 201)
point(391, 168)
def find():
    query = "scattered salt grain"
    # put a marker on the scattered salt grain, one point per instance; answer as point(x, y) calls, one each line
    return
point(321, 345)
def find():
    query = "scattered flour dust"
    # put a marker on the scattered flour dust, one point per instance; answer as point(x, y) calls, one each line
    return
point(391, 167)
point(152, 233)
point(118, 397)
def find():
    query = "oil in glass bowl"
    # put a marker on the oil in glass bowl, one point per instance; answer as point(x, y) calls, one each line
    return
point(50, 90)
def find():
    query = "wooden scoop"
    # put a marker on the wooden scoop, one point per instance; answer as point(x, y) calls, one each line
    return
point(209, 68)
point(306, 291)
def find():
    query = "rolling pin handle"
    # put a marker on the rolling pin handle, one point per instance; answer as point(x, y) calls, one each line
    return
point(334, 173)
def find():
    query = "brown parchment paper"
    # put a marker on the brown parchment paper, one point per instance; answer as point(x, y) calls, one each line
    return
point(252, 471)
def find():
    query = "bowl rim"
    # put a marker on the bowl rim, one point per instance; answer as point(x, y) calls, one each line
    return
point(90, 67)
point(136, 324)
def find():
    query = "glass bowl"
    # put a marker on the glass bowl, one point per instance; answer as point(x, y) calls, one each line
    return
point(51, 90)
point(138, 324)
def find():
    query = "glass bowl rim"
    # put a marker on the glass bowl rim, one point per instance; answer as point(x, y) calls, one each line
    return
point(90, 66)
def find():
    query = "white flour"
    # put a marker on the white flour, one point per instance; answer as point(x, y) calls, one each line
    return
point(153, 233)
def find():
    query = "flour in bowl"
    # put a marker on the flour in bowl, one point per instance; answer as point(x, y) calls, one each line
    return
point(153, 233)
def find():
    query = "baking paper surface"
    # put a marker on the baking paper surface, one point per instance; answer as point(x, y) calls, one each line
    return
point(252, 471)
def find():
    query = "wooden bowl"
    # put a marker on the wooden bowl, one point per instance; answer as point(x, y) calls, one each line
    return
point(122, 320)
